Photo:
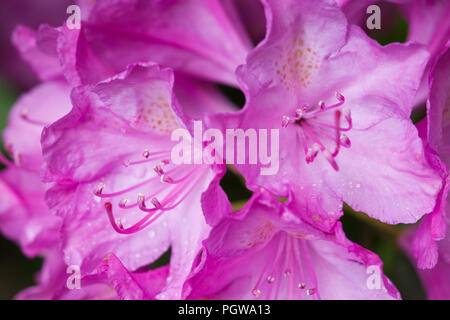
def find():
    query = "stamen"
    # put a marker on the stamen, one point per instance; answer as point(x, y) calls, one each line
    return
point(98, 191)
point(149, 159)
point(345, 141)
point(311, 291)
point(141, 201)
point(285, 121)
point(340, 97)
point(119, 223)
point(312, 153)
point(154, 214)
point(159, 171)
point(166, 179)
point(24, 116)
point(156, 203)
point(321, 105)
point(309, 266)
point(330, 159)
point(123, 203)
point(337, 120)
point(348, 117)
point(126, 163)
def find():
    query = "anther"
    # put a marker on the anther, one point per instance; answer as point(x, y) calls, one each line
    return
point(340, 97)
point(156, 203)
point(146, 154)
point(301, 285)
point(141, 200)
point(345, 141)
point(123, 203)
point(158, 170)
point(312, 153)
point(311, 291)
point(270, 279)
point(166, 179)
point(98, 191)
point(285, 121)
point(126, 163)
point(321, 105)
point(119, 223)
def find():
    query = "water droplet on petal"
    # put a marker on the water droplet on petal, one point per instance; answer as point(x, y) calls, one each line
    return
point(256, 292)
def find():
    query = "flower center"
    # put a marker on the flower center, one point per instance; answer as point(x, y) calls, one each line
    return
point(290, 274)
point(319, 133)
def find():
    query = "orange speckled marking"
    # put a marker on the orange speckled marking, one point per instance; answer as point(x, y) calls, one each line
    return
point(296, 64)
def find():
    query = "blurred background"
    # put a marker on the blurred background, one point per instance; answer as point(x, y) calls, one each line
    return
point(18, 272)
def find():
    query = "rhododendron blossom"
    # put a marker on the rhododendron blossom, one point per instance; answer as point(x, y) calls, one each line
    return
point(429, 245)
point(342, 103)
point(265, 252)
point(126, 175)
point(229, 150)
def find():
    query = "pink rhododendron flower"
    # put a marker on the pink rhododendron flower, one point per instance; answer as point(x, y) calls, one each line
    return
point(113, 152)
point(200, 38)
point(24, 216)
point(433, 258)
point(110, 280)
point(29, 13)
point(426, 247)
point(97, 183)
point(342, 105)
point(265, 252)
point(429, 24)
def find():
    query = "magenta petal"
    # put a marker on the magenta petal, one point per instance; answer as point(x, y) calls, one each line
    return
point(265, 252)
point(106, 158)
point(39, 107)
point(344, 84)
point(39, 50)
point(189, 36)
point(24, 216)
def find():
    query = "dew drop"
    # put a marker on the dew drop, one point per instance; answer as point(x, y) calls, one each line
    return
point(256, 292)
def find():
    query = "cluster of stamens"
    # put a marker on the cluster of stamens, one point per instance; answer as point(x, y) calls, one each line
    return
point(290, 272)
point(308, 118)
point(172, 190)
